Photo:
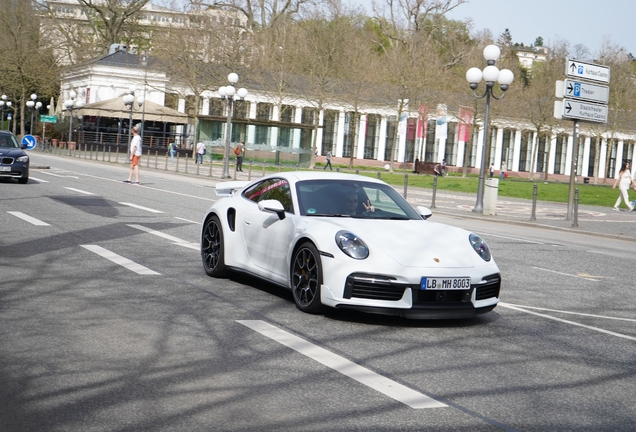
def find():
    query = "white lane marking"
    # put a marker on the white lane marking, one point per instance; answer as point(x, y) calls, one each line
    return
point(175, 240)
point(140, 207)
point(28, 218)
point(512, 238)
point(79, 190)
point(600, 330)
point(187, 220)
point(59, 175)
point(118, 259)
point(573, 313)
point(566, 274)
point(38, 180)
point(361, 374)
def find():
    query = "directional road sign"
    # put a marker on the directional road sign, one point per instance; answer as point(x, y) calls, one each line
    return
point(30, 141)
point(590, 71)
point(573, 109)
point(48, 119)
point(586, 91)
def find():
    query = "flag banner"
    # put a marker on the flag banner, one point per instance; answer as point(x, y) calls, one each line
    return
point(441, 124)
point(465, 124)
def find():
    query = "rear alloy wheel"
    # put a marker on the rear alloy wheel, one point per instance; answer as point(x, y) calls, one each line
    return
point(212, 248)
point(306, 278)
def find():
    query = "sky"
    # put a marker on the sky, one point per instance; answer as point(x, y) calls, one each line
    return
point(584, 22)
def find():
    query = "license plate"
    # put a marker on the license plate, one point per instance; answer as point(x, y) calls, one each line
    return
point(5, 168)
point(440, 283)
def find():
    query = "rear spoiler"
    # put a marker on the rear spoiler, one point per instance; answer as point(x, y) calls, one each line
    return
point(224, 189)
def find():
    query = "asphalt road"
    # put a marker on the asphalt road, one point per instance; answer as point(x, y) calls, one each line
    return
point(109, 323)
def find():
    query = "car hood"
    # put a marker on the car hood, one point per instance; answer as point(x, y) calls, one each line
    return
point(12, 152)
point(414, 243)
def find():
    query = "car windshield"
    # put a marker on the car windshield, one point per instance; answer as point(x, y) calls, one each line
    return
point(7, 140)
point(349, 198)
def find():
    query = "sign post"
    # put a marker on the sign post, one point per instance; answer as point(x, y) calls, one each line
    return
point(582, 100)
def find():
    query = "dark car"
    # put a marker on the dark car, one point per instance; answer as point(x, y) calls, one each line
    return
point(14, 161)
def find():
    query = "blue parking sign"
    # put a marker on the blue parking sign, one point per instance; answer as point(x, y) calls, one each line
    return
point(30, 141)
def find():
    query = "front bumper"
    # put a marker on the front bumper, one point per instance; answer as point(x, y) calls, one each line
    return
point(386, 296)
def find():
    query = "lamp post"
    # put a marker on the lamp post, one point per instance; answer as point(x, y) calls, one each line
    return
point(70, 105)
point(490, 74)
point(129, 102)
point(228, 93)
point(33, 106)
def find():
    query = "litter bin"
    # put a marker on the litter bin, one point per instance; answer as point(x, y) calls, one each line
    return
point(490, 196)
point(586, 180)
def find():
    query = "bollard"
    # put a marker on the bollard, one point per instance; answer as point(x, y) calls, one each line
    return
point(210, 173)
point(176, 167)
point(109, 154)
point(117, 155)
point(156, 158)
point(379, 175)
point(249, 171)
point(91, 155)
point(406, 183)
point(357, 172)
point(186, 163)
point(198, 166)
point(104, 153)
point(263, 168)
point(148, 161)
point(434, 191)
point(166, 166)
point(533, 215)
point(280, 167)
point(575, 210)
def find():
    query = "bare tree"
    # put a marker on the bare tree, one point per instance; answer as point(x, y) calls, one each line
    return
point(259, 14)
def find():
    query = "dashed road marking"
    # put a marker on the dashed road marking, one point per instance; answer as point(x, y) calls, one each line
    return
point(79, 191)
point(141, 207)
point(118, 259)
point(346, 367)
point(176, 240)
point(28, 218)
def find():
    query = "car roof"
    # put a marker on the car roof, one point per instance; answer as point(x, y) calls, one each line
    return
point(321, 175)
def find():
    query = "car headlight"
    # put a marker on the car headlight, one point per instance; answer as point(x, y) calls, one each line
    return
point(480, 246)
point(352, 245)
point(24, 158)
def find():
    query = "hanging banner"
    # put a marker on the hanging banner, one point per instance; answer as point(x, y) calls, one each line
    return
point(422, 121)
point(441, 125)
point(465, 124)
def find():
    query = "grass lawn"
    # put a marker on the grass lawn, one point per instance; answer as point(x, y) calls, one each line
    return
point(589, 194)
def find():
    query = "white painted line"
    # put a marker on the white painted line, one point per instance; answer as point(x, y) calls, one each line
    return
point(361, 374)
point(573, 313)
point(175, 240)
point(38, 180)
point(58, 175)
point(566, 274)
point(187, 220)
point(141, 208)
point(600, 330)
point(511, 238)
point(118, 259)
point(79, 190)
point(28, 218)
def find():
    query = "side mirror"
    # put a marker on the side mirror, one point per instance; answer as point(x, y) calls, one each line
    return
point(272, 206)
point(425, 212)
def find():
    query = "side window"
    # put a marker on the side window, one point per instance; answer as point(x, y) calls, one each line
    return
point(276, 189)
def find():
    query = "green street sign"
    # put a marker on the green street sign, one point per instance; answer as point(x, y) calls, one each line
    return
point(48, 119)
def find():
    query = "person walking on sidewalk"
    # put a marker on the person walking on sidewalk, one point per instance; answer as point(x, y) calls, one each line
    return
point(328, 164)
point(200, 152)
point(240, 153)
point(624, 182)
point(135, 154)
point(173, 151)
point(502, 175)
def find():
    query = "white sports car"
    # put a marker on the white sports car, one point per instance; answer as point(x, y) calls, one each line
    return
point(348, 241)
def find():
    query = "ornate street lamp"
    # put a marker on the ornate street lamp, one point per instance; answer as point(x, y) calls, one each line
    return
point(490, 74)
point(228, 93)
point(3, 103)
point(129, 102)
point(33, 106)
point(71, 104)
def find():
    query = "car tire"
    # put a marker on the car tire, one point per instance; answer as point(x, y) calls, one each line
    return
point(213, 249)
point(23, 180)
point(306, 278)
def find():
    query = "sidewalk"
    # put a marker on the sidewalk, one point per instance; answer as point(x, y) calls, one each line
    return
point(591, 220)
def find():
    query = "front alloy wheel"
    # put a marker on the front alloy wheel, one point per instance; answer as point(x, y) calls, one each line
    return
point(212, 248)
point(306, 278)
